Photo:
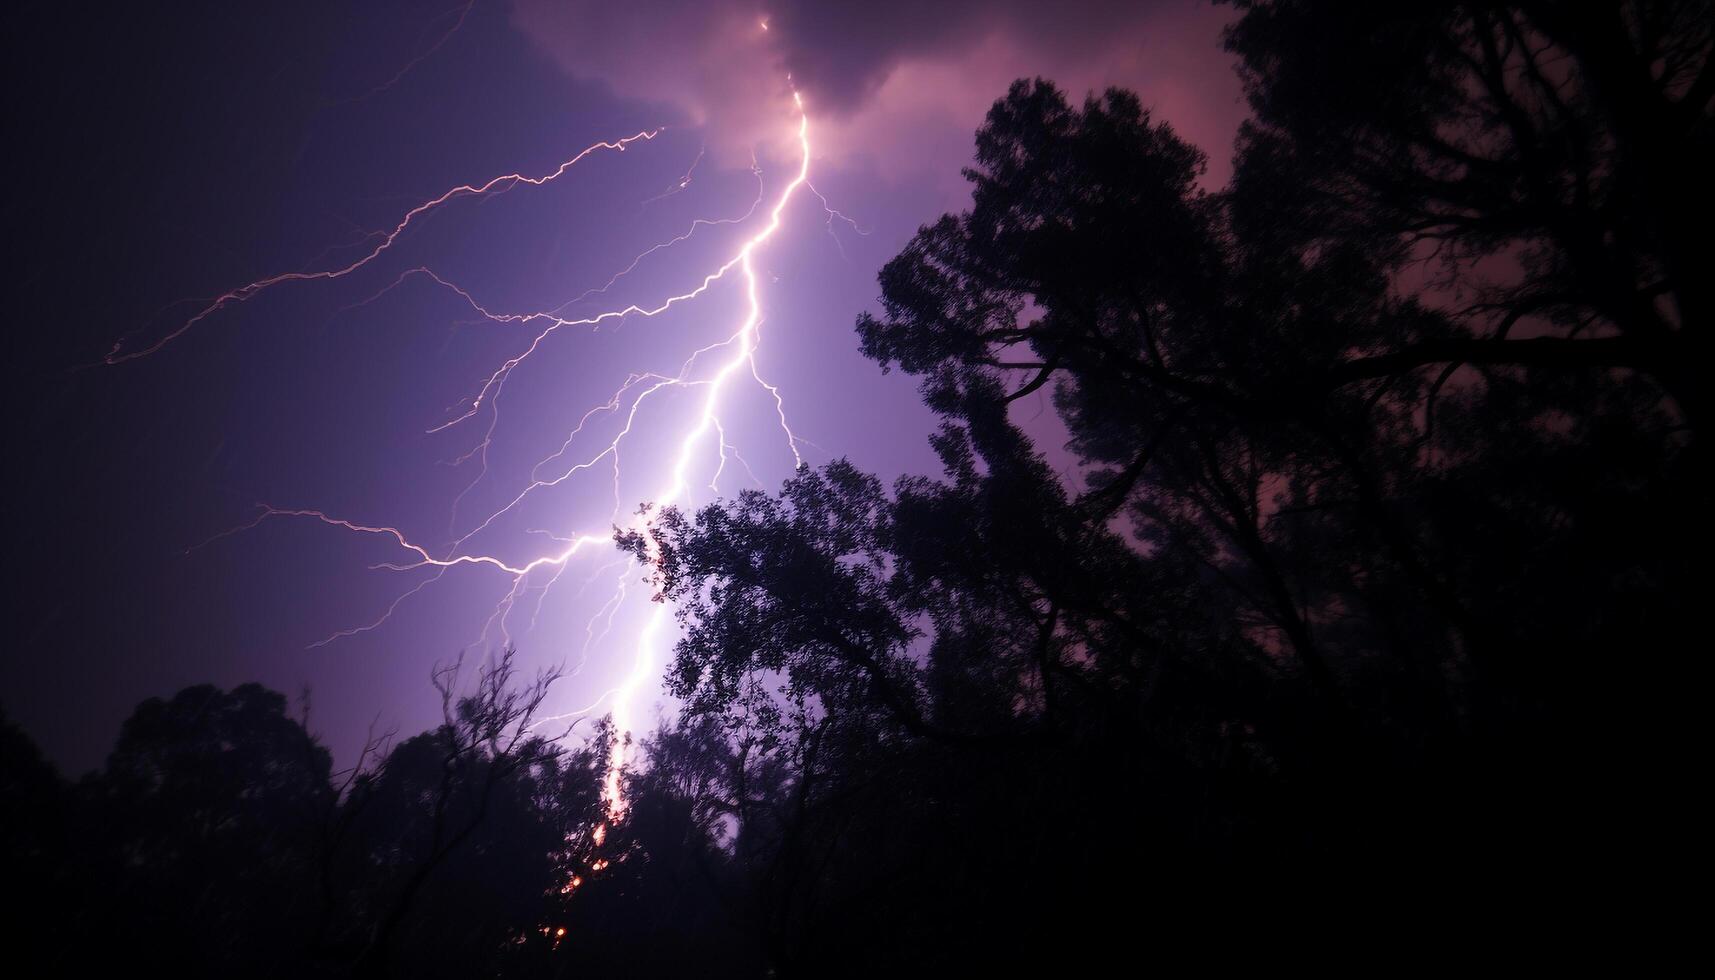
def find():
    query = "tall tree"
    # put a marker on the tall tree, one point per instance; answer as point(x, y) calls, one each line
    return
point(1351, 549)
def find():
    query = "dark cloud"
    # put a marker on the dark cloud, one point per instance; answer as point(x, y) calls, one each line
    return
point(900, 82)
point(843, 52)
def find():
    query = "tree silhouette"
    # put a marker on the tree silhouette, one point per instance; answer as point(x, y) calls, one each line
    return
point(198, 830)
point(1355, 550)
point(466, 790)
point(1549, 157)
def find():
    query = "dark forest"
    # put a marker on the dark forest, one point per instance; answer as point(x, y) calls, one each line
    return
point(1368, 631)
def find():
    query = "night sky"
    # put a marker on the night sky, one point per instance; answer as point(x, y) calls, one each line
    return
point(164, 154)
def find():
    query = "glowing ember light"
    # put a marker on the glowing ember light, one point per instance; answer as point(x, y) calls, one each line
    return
point(735, 355)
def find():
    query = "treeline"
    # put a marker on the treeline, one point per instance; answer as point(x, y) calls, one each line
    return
point(1370, 606)
point(218, 840)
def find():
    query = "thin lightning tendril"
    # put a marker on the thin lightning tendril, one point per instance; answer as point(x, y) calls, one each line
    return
point(505, 182)
point(463, 12)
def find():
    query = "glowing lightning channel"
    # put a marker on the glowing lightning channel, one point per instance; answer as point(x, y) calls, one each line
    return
point(739, 351)
point(745, 356)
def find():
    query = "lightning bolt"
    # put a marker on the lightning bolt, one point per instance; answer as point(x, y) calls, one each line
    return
point(711, 369)
point(505, 182)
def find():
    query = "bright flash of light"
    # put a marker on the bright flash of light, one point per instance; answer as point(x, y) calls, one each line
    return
point(710, 368)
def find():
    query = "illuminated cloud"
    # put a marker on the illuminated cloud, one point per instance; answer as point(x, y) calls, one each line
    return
point(898, 85)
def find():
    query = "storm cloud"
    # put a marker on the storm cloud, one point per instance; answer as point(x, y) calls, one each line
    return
point(897, 84)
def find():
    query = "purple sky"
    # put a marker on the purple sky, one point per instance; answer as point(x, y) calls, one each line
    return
point(185, 157)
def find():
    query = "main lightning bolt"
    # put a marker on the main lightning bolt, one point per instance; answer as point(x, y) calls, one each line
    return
point(711, 368)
